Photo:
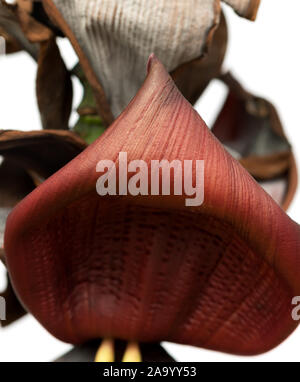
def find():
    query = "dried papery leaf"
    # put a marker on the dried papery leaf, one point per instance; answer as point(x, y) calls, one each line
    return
point(36, 20)
point(250, 126)
point(53, 87)
point(39, 14)
point(116, 38)
point(269, 166)
point(150, 268)
point(11, 44)
point(33, 30)
point(245, 8)
point(44, 151)
point(25, 5)
point(86, 353)
point(10, 23)
point(192, 78)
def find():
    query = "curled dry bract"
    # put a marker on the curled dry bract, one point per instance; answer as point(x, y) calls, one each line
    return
point(249, 126)
point(43, 152)
point(245, 8)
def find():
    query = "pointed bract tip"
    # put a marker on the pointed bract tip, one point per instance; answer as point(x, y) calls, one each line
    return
point(151, 60)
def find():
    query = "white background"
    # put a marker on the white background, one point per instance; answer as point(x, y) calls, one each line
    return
point(264, 55)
